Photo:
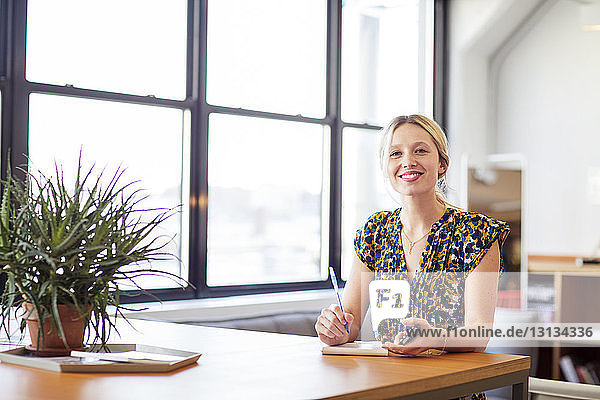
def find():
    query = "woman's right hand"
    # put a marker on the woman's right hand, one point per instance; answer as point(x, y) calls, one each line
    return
point(330, 325)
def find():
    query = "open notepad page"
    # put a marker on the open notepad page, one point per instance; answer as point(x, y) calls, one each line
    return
point(130, 356)
point(358, 348)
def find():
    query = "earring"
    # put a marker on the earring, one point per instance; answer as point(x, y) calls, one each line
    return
point(441, 184)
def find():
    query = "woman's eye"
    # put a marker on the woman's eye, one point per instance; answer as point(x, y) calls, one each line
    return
point(395, 154)
point(421, 151)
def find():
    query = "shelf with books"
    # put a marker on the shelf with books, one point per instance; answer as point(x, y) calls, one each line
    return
point(562, 292)
point(577, 369)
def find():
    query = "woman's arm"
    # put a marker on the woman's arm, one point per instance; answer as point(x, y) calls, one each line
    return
point(481, 291)
point(330, 324)
point(356, 294)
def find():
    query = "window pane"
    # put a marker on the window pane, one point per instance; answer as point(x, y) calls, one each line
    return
point(264, 205)
point(128, 46)
point(387, 59)
point(148, 141)
point(267, 55)
point(363, 188)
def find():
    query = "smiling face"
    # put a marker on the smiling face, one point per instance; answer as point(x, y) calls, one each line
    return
point(413, 162)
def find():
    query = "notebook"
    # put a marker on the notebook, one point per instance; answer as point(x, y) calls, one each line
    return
point(371, 348)
point(358, 348)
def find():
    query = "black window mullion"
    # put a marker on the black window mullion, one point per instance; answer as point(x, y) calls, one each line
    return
point(191, 65)
point(15, 107)
point(5, 82)
point(199, 161)
point(440, 61)
point(237, 290)
point(4, 30)
point(360, 126)
point(193, 73)
point(264, 114)
point(15, 132)
point(334, 56)
point(71, 91)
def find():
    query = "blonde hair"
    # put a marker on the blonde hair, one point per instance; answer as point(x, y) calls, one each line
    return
point(439, 139)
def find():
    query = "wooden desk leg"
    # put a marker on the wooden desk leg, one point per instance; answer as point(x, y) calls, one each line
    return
point(520, 390)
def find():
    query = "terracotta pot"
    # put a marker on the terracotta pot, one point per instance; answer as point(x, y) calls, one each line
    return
point(73, 324)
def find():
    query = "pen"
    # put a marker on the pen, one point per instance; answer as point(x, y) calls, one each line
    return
point(337, 292)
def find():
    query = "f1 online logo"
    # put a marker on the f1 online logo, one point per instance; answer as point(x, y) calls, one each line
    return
point(389, 299)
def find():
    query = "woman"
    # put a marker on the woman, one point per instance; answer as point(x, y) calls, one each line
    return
point(450, 258)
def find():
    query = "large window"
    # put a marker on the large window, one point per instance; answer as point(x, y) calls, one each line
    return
point(258, 119)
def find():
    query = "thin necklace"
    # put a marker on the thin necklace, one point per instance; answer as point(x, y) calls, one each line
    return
point(411, 244)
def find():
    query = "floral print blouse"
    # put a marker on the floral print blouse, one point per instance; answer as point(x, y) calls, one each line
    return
point(455, 246)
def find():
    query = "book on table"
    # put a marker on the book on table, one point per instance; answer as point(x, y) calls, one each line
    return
point(111, 358)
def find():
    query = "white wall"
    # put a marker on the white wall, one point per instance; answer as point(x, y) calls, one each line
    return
point(477, 31)
point(548, 108)
point(524, 78)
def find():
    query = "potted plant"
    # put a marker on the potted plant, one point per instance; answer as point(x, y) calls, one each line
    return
point(67, 250)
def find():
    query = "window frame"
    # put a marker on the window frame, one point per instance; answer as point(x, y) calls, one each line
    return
point(15, 115)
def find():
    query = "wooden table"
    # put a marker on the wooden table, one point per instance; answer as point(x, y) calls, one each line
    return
point(243, 364)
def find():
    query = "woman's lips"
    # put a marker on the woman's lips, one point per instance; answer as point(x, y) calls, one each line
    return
point(410, 177)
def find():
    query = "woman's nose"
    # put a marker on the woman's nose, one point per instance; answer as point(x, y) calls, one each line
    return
point(408, 161)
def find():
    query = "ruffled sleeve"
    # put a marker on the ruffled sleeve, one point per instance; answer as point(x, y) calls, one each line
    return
point(368, 240)
point(479, 233)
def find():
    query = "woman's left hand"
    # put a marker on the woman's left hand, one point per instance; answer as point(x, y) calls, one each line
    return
point(418, 343)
